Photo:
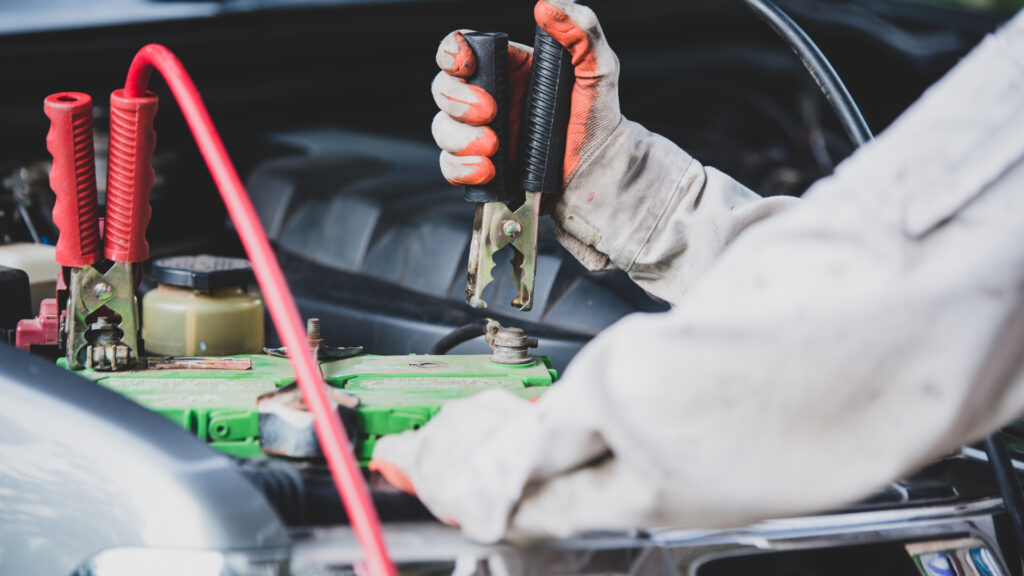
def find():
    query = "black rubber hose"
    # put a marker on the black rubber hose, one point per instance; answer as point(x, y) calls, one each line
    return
point(1009, 484)
point(458, 336)
point(820, 68)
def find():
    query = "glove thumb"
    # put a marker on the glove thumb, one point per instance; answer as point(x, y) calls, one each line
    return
point(594, 110)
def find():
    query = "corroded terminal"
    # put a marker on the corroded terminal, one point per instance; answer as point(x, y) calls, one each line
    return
point(510, 345)
point(286, 425)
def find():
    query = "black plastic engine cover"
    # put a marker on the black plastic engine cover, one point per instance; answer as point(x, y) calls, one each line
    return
point(375, 244)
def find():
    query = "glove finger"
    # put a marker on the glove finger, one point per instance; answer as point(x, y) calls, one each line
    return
point(398, 450)
point(462, 139)
point(608, 495)
point(470, 170)
point(577, 28)
point(520, 60)
point(473, 460)
point(394, 458)
point(462, 101)
point(454, 55)
point(519, 55)
point(594, 109)
point(394, 475)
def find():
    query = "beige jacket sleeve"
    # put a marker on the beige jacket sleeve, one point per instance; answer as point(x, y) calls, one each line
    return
point(645, 206)
point(829, 349)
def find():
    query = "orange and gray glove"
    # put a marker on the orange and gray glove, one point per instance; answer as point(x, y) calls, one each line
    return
point(632, 199)
point(459, 128)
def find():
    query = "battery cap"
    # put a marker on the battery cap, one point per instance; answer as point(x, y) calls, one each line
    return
point(202, 272)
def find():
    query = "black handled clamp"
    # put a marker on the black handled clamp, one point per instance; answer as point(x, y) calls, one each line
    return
point(541, 150)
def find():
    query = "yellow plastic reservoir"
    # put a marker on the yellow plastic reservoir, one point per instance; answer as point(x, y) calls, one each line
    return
point(202, 307)
point(39, 262)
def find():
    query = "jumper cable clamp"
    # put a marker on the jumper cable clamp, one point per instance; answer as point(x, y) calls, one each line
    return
point(541, 150)
point(101, 327)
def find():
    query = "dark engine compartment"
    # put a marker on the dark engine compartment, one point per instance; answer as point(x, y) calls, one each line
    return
point(326, 110)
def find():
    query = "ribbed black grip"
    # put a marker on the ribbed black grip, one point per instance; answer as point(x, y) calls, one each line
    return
point(546, 116)
point(491, 50)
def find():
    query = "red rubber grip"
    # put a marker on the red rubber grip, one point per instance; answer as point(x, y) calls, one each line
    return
point(129, 176)
point(73, 177)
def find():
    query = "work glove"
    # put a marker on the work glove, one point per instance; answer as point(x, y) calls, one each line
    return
point(460, 127)
point(632, 200)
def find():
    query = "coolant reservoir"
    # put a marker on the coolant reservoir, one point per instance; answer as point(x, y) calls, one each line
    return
point(202, 307)
point(39, 262)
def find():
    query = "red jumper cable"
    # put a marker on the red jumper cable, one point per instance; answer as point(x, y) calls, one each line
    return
point(285, 314)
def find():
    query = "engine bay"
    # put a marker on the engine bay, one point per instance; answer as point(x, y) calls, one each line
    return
point(373, 244)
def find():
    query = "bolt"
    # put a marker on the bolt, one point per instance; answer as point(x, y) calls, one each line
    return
point(509, 344)
point(102, 323)
point(313, 328)
point(511, 228)
point(103, 291)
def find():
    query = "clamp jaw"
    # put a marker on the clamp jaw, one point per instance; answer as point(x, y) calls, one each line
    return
point(541, 150)
point(100, 328)
point(494, 227)
point(102, 341)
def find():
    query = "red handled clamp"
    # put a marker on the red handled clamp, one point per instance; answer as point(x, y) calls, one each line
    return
point(101, 328)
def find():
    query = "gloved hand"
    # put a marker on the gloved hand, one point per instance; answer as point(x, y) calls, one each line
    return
point(662, 241)
point(459, 128)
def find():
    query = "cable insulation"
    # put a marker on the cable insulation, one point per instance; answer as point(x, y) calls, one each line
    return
point(820, 68)
point(460, 335)
point(283, 311)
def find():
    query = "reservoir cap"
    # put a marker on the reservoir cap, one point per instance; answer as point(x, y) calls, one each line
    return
point(202, 272)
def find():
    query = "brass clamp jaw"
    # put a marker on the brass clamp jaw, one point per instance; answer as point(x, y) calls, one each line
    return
point(494, 227)
point(97, 340)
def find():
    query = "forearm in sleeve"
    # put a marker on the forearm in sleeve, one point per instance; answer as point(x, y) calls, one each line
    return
point(645, 206)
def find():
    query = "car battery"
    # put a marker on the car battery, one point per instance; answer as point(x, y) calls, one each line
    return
point(218, 399)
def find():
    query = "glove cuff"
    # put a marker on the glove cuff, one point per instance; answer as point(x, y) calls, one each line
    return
point(615, 200)
point(645, 206)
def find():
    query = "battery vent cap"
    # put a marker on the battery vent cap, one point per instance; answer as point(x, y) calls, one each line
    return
point(202, 272)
